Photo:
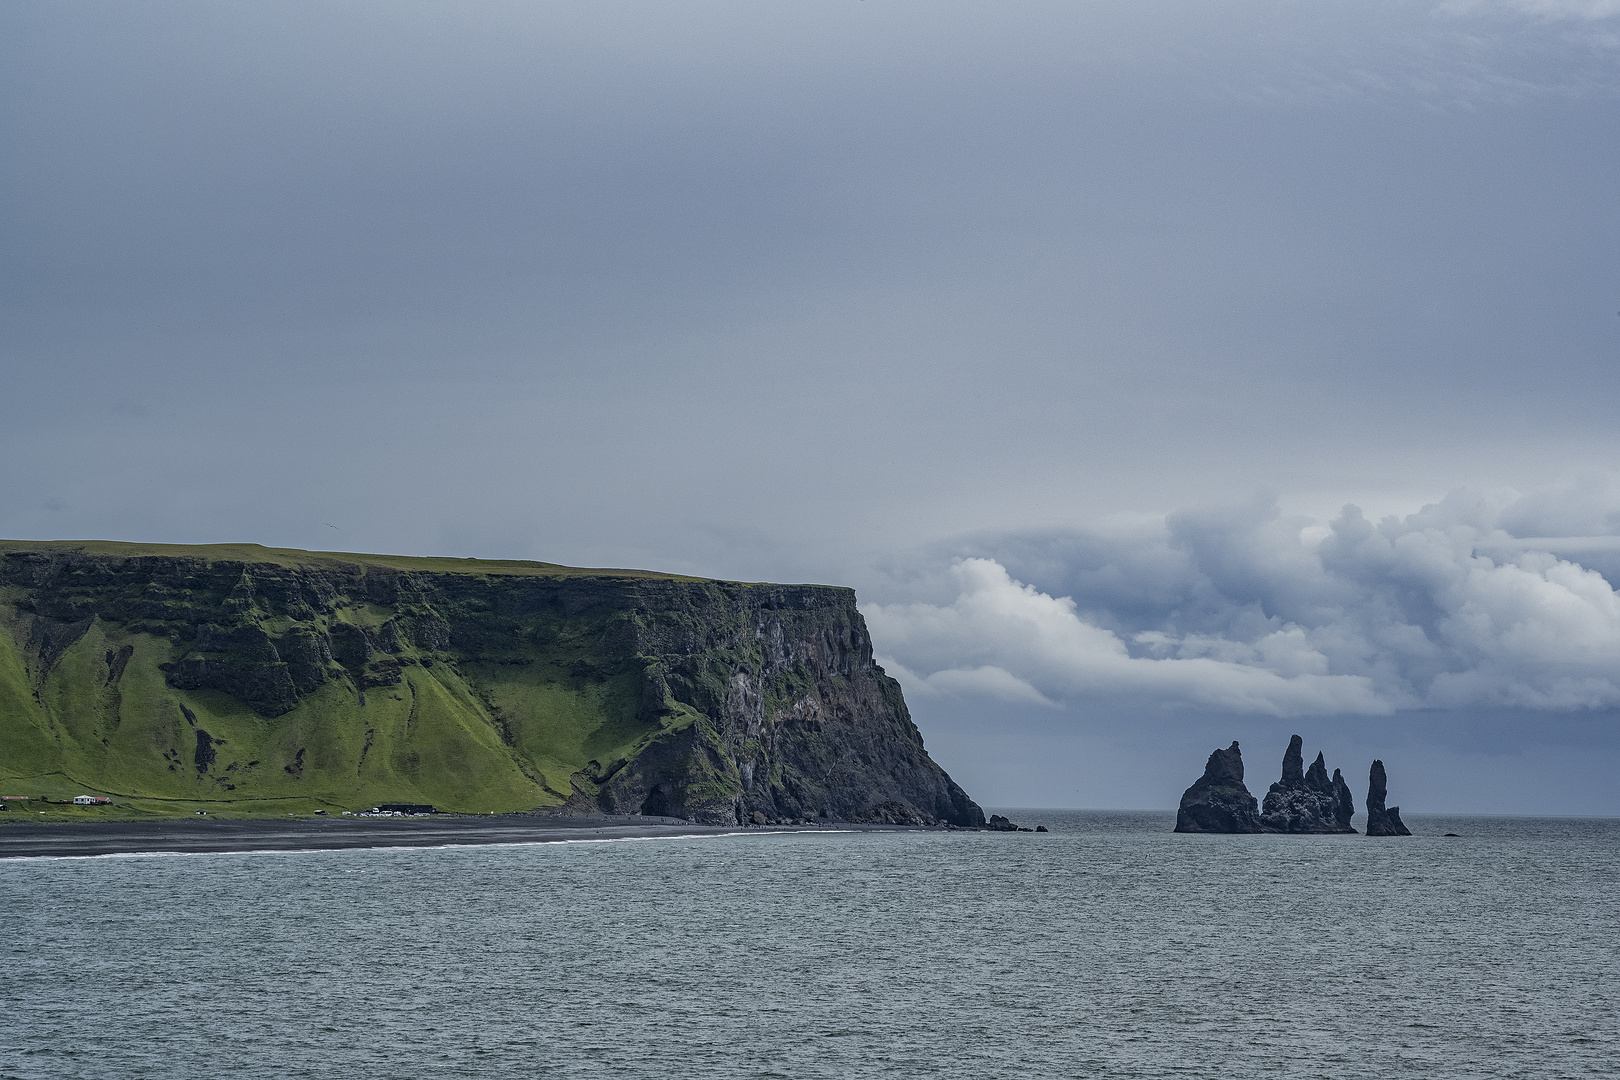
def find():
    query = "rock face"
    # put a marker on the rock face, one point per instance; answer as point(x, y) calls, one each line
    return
point(1381, 820)
point(997, 823)
point(1307, 801)
point(1218, 801)
point(473, 686)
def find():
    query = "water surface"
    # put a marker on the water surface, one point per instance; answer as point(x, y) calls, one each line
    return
point(1108, 947)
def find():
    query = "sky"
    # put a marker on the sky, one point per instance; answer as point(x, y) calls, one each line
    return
point(1160, 373)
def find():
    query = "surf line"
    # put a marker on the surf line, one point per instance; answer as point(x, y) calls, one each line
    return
point(419, 847)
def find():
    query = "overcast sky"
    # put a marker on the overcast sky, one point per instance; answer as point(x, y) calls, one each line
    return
point(1161, 373)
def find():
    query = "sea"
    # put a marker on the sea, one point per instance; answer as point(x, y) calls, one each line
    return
point(1108, 946)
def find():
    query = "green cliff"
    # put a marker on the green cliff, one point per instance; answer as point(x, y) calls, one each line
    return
point(251, 680)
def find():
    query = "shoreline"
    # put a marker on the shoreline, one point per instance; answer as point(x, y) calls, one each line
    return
point(87, 839)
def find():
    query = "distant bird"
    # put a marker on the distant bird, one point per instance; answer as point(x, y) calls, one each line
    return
point(329, 525)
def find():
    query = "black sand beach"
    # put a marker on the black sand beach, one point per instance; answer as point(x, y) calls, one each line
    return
point(305, 834)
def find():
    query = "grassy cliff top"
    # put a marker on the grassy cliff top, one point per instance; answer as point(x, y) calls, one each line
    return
point(256, 553)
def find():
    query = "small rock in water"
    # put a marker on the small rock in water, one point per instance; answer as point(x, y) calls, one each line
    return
point(1042, 828)
point(997, 823)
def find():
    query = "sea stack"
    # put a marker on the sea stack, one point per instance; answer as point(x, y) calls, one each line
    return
point(1307, 801)
point(1382, 821)
point(1218, 801)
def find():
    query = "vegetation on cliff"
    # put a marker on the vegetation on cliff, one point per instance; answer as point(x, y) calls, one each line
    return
point(252, 680)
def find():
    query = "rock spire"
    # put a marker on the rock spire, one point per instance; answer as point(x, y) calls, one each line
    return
point(1382, 821)
point(1307, 801)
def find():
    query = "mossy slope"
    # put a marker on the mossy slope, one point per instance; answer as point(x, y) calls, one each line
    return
point(257, 680)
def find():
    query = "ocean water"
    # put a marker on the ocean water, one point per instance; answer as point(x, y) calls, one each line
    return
point(1109, 947)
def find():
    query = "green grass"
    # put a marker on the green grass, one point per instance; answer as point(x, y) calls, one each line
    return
point(254, 553)
point(506, 722)
point(34, 811)
point(556, 722)
point(428, 739)
point(476, 738)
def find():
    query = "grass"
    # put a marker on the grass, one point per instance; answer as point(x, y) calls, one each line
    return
point(36, 811)
point(472, 737)
point(525, 705)
point(293, 557)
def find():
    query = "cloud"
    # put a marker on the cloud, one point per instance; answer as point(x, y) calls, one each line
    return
point(1008, 640)
point(1583, 10)
point(986, 681)
point(1464, 604)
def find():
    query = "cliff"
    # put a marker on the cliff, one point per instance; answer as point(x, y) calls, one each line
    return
point(266, 680)
point(1219, 801)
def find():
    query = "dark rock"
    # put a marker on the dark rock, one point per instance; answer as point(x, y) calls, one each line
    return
point(1294, 763)
point(306, 654)
point(1041, 828)
point(241, 661)
point(349, 646)
point(891, 812)
point(1347, 805)
point(1307, 801)
point(997, 823)
point(1381, 820)
point(117, 660)
point(49, 639)
point(1218, 801)
point(203, 758)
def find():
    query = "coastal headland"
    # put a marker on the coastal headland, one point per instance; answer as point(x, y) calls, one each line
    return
point(251, 682)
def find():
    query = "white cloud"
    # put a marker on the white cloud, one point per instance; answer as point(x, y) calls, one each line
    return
point(986, 681)
point(1011, 641)
point(1241, 609)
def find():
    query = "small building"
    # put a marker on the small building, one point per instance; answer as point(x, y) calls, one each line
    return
point(91, 800)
